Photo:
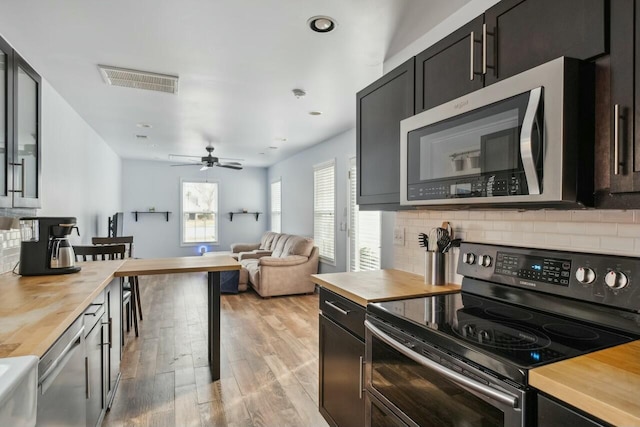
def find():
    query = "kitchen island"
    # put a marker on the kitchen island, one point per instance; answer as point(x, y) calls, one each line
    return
point(36, 310)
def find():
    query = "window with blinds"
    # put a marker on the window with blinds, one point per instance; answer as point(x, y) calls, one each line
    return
point(276, 206)
point(199, 212)
point(364, 231)
point(324, 210)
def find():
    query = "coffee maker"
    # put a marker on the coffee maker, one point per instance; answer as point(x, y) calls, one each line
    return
point(45, 247)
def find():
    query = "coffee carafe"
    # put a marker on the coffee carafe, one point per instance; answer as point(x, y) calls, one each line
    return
point(45, 247)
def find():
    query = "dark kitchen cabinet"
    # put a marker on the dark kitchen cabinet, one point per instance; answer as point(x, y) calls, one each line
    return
point(380, 108)
point(554, 413)
point(342, 349)
point(450, 68)
point(624, 111)
point(522, 34)
point(511, 37)
point(20, 131)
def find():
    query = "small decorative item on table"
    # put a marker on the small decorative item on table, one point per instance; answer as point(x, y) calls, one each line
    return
point(244, 211)
point(152, 209)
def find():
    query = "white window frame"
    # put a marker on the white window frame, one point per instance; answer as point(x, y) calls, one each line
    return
point(278, 214)
point(217, 214)
point(329, 164)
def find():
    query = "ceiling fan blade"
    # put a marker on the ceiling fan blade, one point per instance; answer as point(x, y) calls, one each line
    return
point(187, 164)
point(204, 168)
point(232, 163)
point(231, 158)
point(230, 166)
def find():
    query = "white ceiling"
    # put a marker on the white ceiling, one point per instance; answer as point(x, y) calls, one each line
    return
point(237, 60)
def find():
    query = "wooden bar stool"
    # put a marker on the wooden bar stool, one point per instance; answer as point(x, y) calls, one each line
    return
point(133, 283)
point(106, 253)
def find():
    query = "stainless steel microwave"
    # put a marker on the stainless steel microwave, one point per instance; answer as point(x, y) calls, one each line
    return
point(526, 141)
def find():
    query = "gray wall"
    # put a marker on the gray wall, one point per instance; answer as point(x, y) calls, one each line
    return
point(296, 173)
point(81, 174)
point(156, 184)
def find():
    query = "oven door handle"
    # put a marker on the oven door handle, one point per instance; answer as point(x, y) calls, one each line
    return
point(448, 373)
point(529, 123)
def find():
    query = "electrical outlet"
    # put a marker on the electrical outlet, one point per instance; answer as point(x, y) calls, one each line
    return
point(398, 236)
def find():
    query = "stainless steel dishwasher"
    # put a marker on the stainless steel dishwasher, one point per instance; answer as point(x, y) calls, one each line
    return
point(62, 381)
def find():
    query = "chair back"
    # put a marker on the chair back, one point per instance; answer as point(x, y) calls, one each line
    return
point(125, 240)
point(100, 253)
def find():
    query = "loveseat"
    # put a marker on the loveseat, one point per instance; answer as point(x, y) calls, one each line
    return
point(280, 264)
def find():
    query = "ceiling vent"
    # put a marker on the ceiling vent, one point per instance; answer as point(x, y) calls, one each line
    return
point(137, 79)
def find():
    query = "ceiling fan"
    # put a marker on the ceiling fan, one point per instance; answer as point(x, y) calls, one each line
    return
point(209, 161)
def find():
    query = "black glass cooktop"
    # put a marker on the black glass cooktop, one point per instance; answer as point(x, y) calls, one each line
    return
point(523, 337)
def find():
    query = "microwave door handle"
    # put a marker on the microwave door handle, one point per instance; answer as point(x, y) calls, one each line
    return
point(529, 122)
point(485, 390)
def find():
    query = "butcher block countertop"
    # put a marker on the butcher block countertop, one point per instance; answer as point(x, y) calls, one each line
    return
point(36, 310)
point(363, 287)
point(605, 384)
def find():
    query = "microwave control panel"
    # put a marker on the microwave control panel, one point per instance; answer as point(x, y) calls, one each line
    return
point(508, 184)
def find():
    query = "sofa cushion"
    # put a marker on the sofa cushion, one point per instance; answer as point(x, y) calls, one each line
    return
point(267, 238)
point(279, 249)
point(274, 241)
point(298, 245)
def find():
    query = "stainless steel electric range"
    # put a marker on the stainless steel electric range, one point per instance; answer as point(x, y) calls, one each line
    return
point(463, 359)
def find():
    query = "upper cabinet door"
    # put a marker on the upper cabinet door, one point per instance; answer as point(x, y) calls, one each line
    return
point(6, 120)
point(27, 134)
point(380, 108)
point(450, 68)
point(522, 34)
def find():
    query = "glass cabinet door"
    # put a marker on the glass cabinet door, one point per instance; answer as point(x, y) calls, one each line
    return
point(6, 90)
point(26, 164)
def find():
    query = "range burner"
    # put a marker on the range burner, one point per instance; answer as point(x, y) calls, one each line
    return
point(509, 313)
point(575, 332)
point(504, 336)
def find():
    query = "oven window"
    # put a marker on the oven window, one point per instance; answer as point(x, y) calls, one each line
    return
point(425, 396)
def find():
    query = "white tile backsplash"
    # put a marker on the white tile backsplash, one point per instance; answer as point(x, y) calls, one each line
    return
point(599, 231)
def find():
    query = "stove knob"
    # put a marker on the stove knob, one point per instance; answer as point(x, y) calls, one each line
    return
point(469, 330)
point(485, 260)
point(585, 275)
point(484, 336)
point(616, 279)
point(468, 258)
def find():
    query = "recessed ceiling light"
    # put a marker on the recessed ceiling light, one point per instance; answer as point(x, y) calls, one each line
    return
point(142, 136)
point(273, 147)
point(321, 24)
point(144, 125)
point(315, 113)
point(281, 139)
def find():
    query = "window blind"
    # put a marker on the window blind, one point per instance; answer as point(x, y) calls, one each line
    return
point(199, 214)
point(364, 232)
point(324, 202)
point(276, 206)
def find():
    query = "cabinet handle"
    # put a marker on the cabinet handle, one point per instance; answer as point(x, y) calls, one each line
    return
point(86, 378)
point(361, 384)
point(110, 343)
point(338, 309)
point(22, 176)
point(472, 39)
point(484, 48)
point(616, 139)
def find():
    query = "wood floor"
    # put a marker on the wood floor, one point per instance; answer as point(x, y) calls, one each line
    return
point(269, 360)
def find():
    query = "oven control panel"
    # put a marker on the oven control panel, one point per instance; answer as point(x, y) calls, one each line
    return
point(605, 279)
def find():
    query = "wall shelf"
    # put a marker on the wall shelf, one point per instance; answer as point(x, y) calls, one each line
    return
point(165, 213)
point(256, 214)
